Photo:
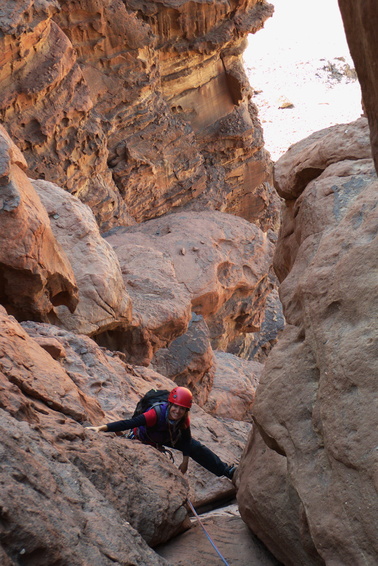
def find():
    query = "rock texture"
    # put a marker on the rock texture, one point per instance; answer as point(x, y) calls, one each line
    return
point(47, 107)
point(117, 386)
point(138, 108)
point(35, 272)
point(234, 387)
point(103, 300)
point(142, 109)
point(52, 513)
point(257, 345)
point(212, 263)
point(360, 20)
point(139, 296)
point(315, 405)
point(189, 359)
point(237, 545)
point(75, 480)
point(53, 381)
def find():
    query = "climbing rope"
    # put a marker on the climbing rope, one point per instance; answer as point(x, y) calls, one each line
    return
point(206, 533)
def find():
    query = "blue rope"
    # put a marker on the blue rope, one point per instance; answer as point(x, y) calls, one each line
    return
point(206, 533)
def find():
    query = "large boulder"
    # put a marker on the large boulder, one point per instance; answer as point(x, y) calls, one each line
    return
point(307, 159)
point(103, 300)
point(35, 272)
point(212, 263)
point(316, 402)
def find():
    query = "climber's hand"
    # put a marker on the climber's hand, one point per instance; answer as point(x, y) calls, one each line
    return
point(101, 428)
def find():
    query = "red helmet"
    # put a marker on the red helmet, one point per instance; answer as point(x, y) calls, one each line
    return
point(181, 396)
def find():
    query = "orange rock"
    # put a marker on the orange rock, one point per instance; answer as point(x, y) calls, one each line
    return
point(103, 300)
point(136, 115)
point(224, 280)
point(310, 461)
point(35, 272)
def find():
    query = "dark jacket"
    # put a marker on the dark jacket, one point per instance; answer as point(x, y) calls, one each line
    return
point(154, 427)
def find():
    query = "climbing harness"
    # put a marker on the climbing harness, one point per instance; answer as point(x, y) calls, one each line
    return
point(206, 533)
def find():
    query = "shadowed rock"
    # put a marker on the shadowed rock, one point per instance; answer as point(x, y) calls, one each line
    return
point(189, 360)
point(103, 300)
point(359, 18)
point(35, 272)
point(234, 387)
point(212, 263)
point(315, 404)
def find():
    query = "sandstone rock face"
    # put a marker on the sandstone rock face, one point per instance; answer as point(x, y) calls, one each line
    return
point(343, 161)
point(52, 513)
point(35, 272)
point(316, 402)
point(85, 488)
point(189, 360)
point(138, 108)
point(360, 19)
point(211, 263)
point(237, 545)
point(234, 387)
point(46, 106)
point(103, 301)
point(35, 374)
point(257, 345)
point(273, 505)
point(114, 387)
point(53, 398)
point(307, 159)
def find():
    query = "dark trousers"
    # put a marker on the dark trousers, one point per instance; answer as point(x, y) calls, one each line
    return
point(204, 457)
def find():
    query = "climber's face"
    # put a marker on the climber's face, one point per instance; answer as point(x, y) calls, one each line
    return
point(176, 412)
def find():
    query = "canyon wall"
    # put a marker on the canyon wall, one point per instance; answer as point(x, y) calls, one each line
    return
point(360, 20)
point(114, 114)
point(136, 223)
point(307, 481)
point(138, 108)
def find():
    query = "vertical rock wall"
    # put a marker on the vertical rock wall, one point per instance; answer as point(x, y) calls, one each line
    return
point(308, 483)
point(138, 108)
point(360, 22)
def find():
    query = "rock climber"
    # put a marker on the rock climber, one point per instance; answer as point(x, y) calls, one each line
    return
point(168, 424)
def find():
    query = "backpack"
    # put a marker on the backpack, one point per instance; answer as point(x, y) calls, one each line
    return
point(152, 399)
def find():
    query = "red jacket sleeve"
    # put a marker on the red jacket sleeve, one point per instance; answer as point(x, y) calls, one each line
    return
point(151, 417)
